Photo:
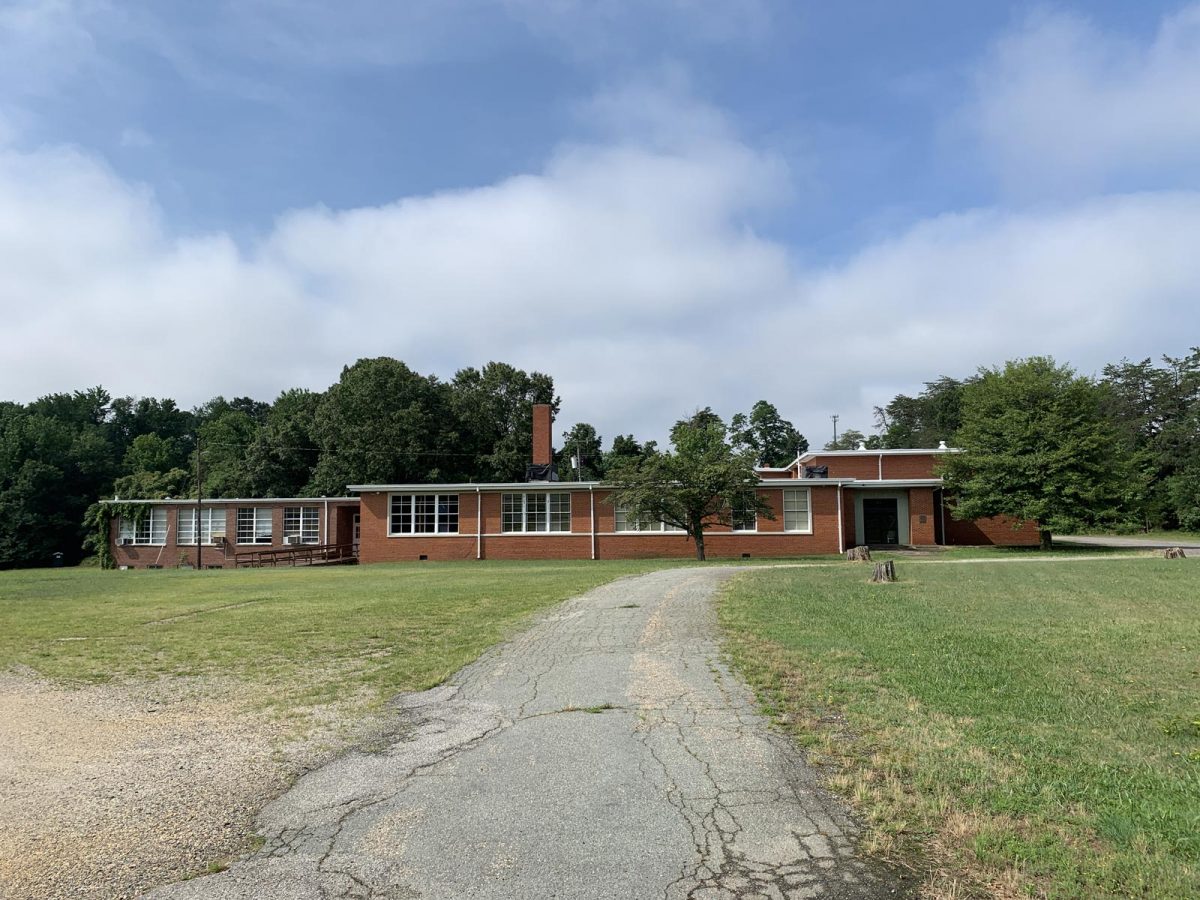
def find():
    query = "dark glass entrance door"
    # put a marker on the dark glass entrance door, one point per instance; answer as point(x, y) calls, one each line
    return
point(881, 521)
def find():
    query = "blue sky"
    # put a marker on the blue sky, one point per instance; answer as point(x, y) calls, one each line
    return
point(665, 204)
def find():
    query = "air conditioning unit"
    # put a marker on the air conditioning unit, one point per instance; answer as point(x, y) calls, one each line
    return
point(125, 542)
point(289, 539)
point(218, 538)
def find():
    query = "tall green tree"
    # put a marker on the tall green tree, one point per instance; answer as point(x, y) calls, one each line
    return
point(932, 416)
point(282, 456)
point(702, 481)
point(55, 458)
point(851, 438)
point(493, 411)
point(224, 441)
point(581, 457)
point(1037, 448)
point(381, 423)
point(626, 448)
point(774, 440)
point(1156, 412)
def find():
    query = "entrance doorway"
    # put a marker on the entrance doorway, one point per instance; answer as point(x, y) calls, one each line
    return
point(881, 520)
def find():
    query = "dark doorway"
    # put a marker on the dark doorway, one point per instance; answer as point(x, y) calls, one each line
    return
point(881, 521)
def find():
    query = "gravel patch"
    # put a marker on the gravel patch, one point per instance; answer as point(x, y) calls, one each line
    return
point(110, 790)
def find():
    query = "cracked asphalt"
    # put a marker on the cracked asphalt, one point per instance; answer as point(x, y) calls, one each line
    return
point(607, 752)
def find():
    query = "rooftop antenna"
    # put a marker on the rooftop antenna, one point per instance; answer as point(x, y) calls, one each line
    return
point(835, 418)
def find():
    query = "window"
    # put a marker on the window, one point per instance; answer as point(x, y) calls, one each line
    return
point(743, 515)
point(796, 515)
point(625, 522)
point(152, 529)
point(254, 525)
point(212, 524)
point(424, 514)
point(300, 523)
point(535, 512)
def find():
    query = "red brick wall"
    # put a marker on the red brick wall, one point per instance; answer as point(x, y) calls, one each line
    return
point(769, 540)
point(850, 534)
point(921, 515)
point(997, 530)
point(140, 556)
point(866, 467)
point(916, 466)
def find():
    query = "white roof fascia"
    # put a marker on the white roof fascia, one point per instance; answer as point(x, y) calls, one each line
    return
point(899, 482)
point(474, 486)
point(212, 500)
point(552, 486)
point(812, 454)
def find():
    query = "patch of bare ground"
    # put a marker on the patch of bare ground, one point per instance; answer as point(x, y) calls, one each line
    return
point(110, 790)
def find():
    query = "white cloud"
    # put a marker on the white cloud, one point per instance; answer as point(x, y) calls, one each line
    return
point(1063, 105)
point(628, 273)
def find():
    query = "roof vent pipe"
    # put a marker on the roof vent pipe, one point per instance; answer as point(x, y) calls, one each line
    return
point(862, 445)
point(942, 445)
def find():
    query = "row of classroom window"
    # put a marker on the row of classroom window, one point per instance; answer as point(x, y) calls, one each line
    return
point(301, 523)
point(532, 513)
point(548, 513)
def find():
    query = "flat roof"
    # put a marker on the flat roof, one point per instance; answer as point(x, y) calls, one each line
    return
point(553, 485)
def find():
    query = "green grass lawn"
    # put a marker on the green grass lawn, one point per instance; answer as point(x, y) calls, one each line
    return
point(1036, 725)
point(302, 636)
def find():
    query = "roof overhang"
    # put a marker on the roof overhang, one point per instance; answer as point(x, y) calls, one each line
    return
point(932, 451)
point(192, 501)
point(896, 483)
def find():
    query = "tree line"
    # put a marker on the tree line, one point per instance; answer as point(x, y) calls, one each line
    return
point(1042, 442)
point(381, 422)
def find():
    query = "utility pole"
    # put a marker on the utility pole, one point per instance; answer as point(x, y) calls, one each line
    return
point(199, 492)
point(834, 417)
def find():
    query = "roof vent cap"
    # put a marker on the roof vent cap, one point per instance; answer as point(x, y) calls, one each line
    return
point(862, 445)
point(942, 445)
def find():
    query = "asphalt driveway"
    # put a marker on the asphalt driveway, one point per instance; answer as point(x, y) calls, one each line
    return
point(607, 752)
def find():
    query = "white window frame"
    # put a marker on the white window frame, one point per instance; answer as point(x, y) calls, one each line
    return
point(303, 522)
point(519, 511)
point(212, 518)
point(789, 501)
point(445, 510)
point(151, 531)
point(261, 529)
point(733, 519)
point(622, 524)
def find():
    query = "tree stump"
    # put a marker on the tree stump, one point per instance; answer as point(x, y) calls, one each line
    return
point(884, 572)
point(1174, 553)
point(858, 554)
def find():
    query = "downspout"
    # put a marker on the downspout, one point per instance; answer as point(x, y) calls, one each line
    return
point(326, 535)
point(841, 528)
point(881, 467)
point(592, 513)
point(478, 524)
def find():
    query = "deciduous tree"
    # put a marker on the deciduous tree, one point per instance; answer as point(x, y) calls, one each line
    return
point(702, 481)
point(1037, 448)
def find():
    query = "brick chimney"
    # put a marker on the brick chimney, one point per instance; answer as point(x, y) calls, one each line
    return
point(543, 450)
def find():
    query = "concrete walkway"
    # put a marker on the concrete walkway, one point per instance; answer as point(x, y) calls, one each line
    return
point(1126, 543)
point(605, 753)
